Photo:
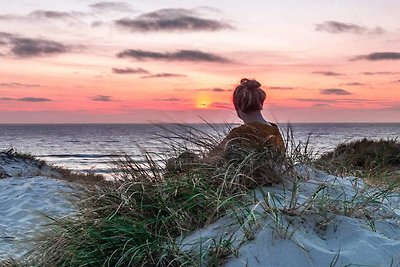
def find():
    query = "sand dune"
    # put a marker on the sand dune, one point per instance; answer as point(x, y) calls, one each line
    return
point(358, 226)
point(24, 198)
point(307, 238)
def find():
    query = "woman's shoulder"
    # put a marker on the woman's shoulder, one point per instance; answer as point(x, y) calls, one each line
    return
point(256, 132)
point(254, 127)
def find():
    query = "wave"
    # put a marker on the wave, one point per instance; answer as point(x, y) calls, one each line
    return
point(94, 156)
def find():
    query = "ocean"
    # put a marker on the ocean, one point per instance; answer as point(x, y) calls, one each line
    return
point(93, 147)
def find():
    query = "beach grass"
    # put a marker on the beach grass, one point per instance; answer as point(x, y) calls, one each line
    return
point(136, 220)
point(56, 172)
point(378, 161)
point(139, 218)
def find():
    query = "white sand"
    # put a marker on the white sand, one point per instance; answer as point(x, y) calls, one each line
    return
point(11, 166)
point(309, 240)
point(24, 198)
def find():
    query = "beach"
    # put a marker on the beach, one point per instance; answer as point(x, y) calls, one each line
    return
point(335, 221)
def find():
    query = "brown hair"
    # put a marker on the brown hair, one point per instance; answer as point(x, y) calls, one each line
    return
point(248, 96)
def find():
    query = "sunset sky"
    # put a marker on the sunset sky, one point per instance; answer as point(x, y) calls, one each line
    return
point(84, 61)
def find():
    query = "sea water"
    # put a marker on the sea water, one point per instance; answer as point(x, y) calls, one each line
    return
point(93, 147)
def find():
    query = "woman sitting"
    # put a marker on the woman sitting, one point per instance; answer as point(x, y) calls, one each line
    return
point(256, 132)
point(255, 149)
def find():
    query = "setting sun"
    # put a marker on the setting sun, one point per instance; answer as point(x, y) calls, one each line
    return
point(203, 102)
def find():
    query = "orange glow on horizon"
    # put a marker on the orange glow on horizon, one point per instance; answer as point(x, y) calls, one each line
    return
point(69, 66)
point(203, 101)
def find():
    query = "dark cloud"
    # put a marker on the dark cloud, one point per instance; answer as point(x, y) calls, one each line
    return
point(48, 14)
point(223, 105)
point(220, 90)
point(381, 73)
point(102, 98)
point(216, 90)
point(113, 6)
point(334, 91)
point(340, 101)
point(130, 71)
point(352, 84)
point(171, 20)
point(27, 99)
point(5, 36)
point(44, 14)
point(315, 100)
point(340, 27)
point(281, 88)
point(29, 47)
point(180, 55)
point(379, 56)
point(18, 85)
point(164, 75)
point(321, 105)
point(328, 73)
point(172, 99)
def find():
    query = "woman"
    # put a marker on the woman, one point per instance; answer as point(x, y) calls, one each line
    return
point(255, 148)
point(256, 132)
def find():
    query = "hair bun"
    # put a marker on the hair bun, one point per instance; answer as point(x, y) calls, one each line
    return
point(250, 84)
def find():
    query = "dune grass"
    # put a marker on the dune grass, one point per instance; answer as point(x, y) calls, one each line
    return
point(53, 171)
point(376, 160)
point(136, 220)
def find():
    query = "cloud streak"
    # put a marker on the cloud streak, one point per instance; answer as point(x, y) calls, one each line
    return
point(27, 99)
point(180, 55)
point(353, 101)
point(170, 20)
point(32, 47)
point(18, 85)
point(381, 73)
point(334, 91)
point(28, 47)
point(164, 75)
point(215, 90)
point(172, 99)
point(130, 71)
point(44, 15)
point(352, 84)
point(328, 73)
point(281, 88)
point(49, 14)
point(112, 6)
point(378, 56)
point(102, 98)
point(341, 27)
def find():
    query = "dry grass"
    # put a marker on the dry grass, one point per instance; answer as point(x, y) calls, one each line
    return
point(56, 171)
point(378, 161)
point(79, 177)
point(135, 220)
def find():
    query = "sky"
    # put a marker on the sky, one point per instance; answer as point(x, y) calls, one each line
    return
point(85, 61)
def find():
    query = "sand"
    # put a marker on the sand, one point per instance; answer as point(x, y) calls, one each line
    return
point(24, 198)
point(305, 237)
point(310, 238)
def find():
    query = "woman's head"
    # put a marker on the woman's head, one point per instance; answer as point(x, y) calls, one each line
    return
point(248, 96)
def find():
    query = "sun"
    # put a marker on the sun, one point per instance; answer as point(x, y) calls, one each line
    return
point(203, 102)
